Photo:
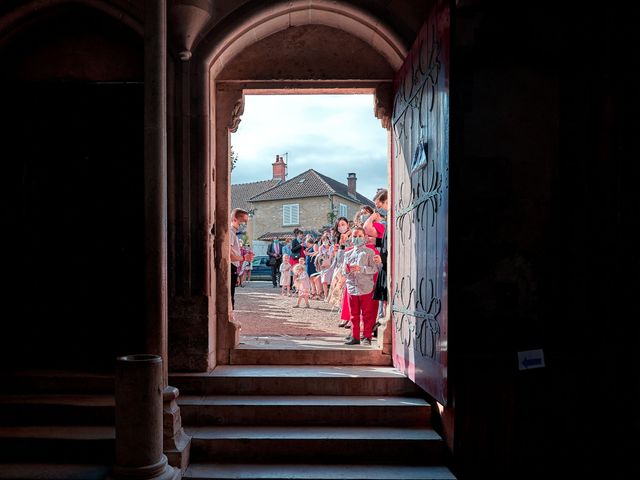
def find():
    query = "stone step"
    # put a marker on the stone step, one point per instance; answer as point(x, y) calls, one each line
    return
point(329, 445)
point(57, 444)
point(211, 471)
point(48, 409)
point(295, 380)
point(316, 351)
point(41, 409)
point(303, 410)
point(56, 382)
point(52, 471)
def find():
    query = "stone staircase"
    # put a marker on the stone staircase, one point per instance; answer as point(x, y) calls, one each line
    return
point(246, 421)
point(51, 428)
point(308, 422)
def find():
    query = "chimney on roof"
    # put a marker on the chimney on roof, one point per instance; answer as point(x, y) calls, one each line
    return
point(351, 183)
point(279, 169)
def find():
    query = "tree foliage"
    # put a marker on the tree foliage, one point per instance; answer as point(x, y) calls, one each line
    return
point(233, 158)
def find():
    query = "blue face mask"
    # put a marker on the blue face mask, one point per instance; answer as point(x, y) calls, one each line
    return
point(357, 241)
point(382, 211)
point(363, 218)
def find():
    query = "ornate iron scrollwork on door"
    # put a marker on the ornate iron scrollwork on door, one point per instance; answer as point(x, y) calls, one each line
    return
point(420, 124)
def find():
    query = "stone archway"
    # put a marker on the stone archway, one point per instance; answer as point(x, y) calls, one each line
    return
point(230, 68)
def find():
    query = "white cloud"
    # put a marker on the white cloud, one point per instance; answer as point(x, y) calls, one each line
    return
point(333, 134)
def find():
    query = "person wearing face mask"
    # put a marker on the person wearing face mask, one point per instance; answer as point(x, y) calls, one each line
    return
point(359, 269)
point(343, 228)
point(323, 261)
point(239, 217)
point(342, 232)
point(379, 219)
point(364, 218)
point(310, 254)
point(374, 223)
point(362, 215)
point(274, 252)
point(342, 241)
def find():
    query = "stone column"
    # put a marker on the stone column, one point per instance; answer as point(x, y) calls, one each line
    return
point(139, 387)
point(155, 175)
point(229, 106)
point(192, 318)
point(155, 178)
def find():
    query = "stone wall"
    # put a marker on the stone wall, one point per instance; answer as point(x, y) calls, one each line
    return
point(313, 213)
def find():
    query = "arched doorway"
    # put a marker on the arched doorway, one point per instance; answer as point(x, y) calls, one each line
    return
point(318, 49)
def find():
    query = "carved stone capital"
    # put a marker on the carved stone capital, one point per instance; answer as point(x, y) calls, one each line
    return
point(384, 104)
point(186, 20)
point(236, 113)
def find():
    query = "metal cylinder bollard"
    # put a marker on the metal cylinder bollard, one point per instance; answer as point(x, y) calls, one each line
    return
point(139, 419)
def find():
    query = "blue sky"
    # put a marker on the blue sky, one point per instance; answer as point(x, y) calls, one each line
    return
point(333, 134)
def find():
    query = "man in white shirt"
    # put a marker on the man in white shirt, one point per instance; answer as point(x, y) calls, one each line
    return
point(238, 218)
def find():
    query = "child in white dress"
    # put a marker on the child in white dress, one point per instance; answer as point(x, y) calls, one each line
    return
point(323, 262)
point(302, 283)
point(285, 276)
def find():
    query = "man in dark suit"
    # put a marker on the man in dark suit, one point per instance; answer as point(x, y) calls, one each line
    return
point(274, 252)
point(296, 245)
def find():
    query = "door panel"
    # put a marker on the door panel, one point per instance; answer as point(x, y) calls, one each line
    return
point(420, 185)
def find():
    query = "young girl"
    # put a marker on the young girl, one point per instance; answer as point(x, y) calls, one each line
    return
point(359, 268)
point(302, 283)
point(248, 264)
point(285, 276)
point(310, 257)
point(337, 289)
point(323, 265)
point(343, 240)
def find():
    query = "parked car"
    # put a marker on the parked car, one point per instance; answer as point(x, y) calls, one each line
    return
point(261, 271)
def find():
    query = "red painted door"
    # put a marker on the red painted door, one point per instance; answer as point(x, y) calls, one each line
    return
point(420, 185)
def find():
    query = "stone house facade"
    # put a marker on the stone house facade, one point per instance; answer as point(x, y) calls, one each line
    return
point(313, 213)
point(309, 201)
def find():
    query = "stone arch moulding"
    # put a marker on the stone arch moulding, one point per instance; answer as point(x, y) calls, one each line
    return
point(347, 18)
point(220, 114)
point(35, 8)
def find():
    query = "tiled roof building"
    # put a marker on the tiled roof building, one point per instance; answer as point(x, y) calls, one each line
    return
point(241, 193)
point(310, 201)
point(312, 184)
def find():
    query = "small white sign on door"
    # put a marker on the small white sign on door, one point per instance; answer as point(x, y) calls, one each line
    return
point(530, 359)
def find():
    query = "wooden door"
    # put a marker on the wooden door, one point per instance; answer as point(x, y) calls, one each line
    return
point(420, 181)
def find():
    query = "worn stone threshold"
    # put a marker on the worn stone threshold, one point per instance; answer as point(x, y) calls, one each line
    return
point(289, 342)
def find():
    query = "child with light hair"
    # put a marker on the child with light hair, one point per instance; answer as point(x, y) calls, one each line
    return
point(302, 283)
point(285, 276)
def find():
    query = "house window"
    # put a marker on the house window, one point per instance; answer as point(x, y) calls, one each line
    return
point(291, 214)
point(343, 211)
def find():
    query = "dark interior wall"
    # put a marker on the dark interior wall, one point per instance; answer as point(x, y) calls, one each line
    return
point(71, 136)
point(543, 205)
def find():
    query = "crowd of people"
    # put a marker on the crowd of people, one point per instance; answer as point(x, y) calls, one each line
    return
point(345, 267)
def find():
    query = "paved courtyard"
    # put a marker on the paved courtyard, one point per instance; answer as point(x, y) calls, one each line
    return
point(263, 312)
